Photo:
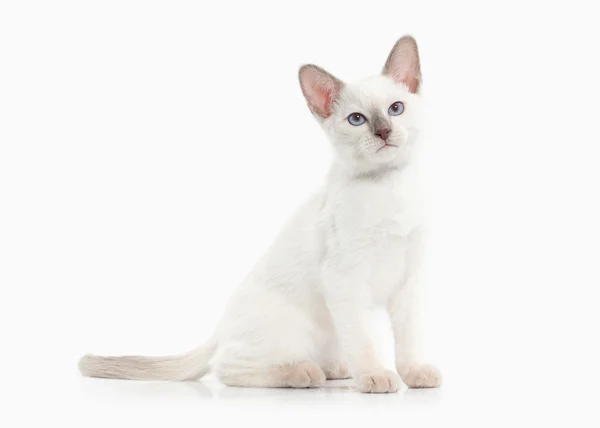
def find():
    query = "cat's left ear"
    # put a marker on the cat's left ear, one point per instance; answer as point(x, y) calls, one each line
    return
point(320, 89)
point(403, 64)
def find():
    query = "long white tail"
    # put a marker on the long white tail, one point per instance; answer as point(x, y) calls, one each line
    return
point(190, 366)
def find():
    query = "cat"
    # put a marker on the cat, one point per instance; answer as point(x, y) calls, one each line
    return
point(301, 315)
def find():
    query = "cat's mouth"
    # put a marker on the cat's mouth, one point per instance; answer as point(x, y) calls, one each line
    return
point(385, 146)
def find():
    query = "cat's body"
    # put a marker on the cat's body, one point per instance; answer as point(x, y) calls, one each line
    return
point(287, 284)
point(301, 315)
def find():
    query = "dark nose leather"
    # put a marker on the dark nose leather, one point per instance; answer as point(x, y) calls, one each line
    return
point(383, 133)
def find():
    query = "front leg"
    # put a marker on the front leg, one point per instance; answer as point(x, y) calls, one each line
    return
point(403, 310)
point(349, 301)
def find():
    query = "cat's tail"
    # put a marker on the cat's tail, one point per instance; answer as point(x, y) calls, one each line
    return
point(190, 366)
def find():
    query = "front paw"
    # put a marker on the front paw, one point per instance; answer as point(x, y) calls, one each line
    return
point(380, 382)
point(420, 375)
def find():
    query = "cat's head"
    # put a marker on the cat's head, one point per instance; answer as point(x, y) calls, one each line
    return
point(373, 123)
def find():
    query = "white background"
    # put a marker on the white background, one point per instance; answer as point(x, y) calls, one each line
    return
point(150, 151)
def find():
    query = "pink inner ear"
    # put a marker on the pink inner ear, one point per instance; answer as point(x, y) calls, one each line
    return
point(408, 78)
point(403, 64)
point(320, 89)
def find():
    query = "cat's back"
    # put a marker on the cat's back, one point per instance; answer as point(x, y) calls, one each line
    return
point(294, 254)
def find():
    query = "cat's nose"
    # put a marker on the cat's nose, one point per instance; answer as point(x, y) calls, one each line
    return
point(383, 133)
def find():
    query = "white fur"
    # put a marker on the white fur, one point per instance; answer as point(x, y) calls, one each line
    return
point(302, 312)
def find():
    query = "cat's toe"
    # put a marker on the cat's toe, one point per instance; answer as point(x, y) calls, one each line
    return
point(381, 382)
point(420, 375)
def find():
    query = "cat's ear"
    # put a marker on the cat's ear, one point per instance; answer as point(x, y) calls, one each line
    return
point(403, 63)
point(320, 89)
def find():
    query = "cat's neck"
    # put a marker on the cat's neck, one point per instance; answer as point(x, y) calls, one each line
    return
point(342, 173)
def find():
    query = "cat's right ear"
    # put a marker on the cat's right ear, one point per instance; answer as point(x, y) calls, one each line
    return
point(320, 89)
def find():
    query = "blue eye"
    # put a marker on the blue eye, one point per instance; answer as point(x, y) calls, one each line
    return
point(396, 109)
point(356, 119)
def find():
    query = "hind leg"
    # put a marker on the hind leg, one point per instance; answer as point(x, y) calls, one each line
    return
point(278, 348)
point(300, 375)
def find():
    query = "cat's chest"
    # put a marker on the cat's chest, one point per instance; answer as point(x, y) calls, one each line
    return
point(373, 226)
point(386, 211)
point(380, 243)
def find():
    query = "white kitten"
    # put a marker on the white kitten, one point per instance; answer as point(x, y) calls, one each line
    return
point(301, 316)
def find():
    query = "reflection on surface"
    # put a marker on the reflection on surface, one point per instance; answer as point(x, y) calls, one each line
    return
point(211, 389)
